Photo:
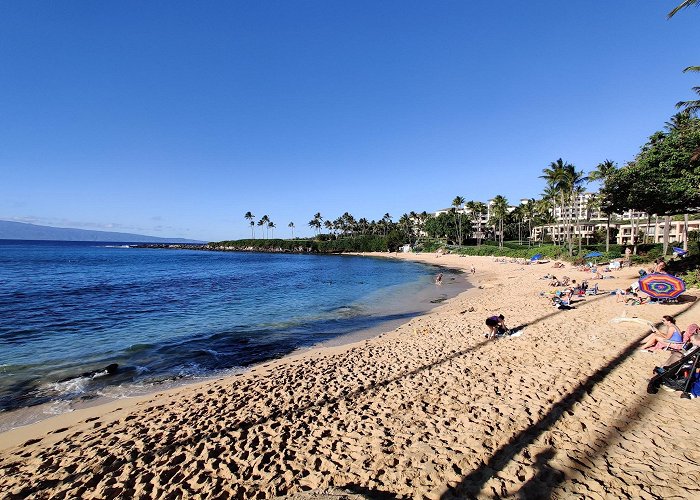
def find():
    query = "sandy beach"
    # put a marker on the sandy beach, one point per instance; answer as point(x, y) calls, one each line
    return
point(430, 410)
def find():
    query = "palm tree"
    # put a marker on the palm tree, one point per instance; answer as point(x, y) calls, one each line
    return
point(575, 181)
point(476, 210)
point(691, 107)
point(564, 178)
point(555, 177)
point(264, 222)
point(683, 5)
point(291, 225)
point(528, 209)
point(386, 220)
point(544, 210)
point(364, 225)
point(272, 227)
point(602, 173)
point(499, 209)
point(457, 204)
point(249, 216)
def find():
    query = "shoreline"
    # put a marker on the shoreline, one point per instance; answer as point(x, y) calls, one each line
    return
point(429, 409)
point(18, 418)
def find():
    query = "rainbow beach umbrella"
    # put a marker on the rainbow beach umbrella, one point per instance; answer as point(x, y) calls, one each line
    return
point(661, 286)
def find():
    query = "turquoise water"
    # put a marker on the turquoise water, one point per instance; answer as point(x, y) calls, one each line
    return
point(68, 309)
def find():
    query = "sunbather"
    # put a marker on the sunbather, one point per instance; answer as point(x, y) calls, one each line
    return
point(673, 334)
point(692, 330)
point(635, 300)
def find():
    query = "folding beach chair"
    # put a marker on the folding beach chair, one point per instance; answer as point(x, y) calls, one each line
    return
point(672, 375)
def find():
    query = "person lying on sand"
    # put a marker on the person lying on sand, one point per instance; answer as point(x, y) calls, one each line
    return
point(673, 334)
point(636, 300)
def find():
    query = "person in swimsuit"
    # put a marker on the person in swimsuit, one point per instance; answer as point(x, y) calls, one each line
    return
point(673, 334)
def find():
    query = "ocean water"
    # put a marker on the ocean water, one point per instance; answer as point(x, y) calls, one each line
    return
point(67, 310)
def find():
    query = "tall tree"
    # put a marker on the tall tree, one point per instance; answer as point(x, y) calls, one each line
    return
point(386, 220)
point(291, 225)
point(563, 178)
point(499, 211)
point(457, 204)
point(249, 216)
point(265, 221)
point(664, 179)
point(272, 227)
point(602, 172)
point(529, 210)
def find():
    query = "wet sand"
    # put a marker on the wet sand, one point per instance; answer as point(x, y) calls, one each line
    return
point(431, 409)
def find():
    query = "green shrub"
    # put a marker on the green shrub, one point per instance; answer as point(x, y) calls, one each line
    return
point(692, 278)
point(372, 243)
point(428, 246)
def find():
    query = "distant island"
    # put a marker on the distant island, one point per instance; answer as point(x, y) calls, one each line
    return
point(22, 231)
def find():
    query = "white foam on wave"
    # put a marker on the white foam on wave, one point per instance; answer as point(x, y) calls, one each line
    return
point(57, 408)
point(73, 387)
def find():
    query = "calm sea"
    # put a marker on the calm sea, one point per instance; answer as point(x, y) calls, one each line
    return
point(68, 309)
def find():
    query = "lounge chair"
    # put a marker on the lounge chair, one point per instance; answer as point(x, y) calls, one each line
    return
point(593, 290)
point(667, 345)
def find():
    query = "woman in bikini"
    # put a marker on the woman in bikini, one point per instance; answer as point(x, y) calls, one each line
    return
point(673, 334)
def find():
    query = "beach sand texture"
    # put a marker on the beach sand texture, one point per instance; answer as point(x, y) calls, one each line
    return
point(432, 409)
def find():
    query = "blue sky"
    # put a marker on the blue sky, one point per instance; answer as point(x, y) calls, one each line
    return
point(175, 118)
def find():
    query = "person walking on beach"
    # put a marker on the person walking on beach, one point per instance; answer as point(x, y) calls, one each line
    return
point(438, 279)
point(472, 269)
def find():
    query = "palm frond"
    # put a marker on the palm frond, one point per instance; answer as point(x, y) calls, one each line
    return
point(691, 68)
point(691, 107)
point(683, 5)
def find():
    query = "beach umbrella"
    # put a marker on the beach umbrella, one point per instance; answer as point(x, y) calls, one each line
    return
point(592, 255)
point(661, 285)
point(536, 257)
point(679, 251)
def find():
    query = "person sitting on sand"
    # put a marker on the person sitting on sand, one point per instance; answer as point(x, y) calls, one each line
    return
point(620, 294)
point(660, 265)
point(673, 334)
point(497, 326)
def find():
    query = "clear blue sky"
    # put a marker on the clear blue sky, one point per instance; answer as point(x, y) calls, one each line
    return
point(175, 118)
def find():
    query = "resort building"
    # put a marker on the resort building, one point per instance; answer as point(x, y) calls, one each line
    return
point(655, 231)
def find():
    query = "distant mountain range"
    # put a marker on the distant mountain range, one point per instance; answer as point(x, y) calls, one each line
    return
point(21, 231)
